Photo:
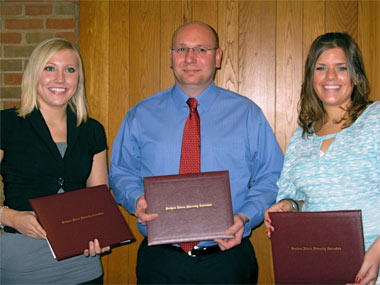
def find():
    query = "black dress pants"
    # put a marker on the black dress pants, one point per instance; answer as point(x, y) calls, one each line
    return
point(163, 265)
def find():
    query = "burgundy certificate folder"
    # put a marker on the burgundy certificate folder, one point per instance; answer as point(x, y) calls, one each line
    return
point(317, 247)
point(191, 207)
point(74, 218)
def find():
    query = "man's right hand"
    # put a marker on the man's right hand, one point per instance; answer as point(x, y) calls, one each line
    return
point(140, 213)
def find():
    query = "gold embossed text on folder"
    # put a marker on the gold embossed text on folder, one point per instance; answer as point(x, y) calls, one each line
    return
point(191, 207)
point(317, 247)
point(74, 218)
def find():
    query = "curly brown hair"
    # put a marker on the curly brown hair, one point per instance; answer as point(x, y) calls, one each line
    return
point(312, 115)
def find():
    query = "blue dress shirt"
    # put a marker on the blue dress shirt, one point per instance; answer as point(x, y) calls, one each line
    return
point(235, 136)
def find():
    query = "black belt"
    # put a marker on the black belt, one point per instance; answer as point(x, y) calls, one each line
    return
point(197, 250)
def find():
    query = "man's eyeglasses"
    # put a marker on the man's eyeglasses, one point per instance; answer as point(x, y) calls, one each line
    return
point(196, 50)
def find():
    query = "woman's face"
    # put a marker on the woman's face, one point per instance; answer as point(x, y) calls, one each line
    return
point(58, 80)
point(331, 79)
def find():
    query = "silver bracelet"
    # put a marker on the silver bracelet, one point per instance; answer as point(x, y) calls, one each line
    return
point(1, 212)
point(295, 207)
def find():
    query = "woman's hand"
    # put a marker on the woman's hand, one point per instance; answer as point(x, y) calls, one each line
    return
point(94, 248)
point(369, 270)
point(24, 222)
point(282, 206)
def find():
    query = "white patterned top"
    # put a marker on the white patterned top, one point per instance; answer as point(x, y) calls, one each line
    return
point(346, 177)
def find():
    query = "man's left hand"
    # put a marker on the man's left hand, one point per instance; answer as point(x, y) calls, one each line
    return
point(236, 229)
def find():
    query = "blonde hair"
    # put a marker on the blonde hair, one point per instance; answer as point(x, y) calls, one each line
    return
point(31, 77)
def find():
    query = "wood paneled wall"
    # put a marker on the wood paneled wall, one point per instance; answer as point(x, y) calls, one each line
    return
point(125, 49)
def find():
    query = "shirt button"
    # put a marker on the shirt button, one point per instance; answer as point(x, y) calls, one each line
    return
point(61, 181)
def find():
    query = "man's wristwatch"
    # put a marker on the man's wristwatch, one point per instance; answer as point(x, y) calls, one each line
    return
point(242, 219)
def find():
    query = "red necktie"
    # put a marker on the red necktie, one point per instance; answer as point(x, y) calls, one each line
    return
point(191, 152)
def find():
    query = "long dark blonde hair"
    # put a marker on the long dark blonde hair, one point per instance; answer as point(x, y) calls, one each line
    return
point(312, 115)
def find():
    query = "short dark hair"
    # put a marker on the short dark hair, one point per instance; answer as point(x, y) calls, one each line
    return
point(312, 115)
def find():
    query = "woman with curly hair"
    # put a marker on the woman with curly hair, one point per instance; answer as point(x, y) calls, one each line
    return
point(332, 160)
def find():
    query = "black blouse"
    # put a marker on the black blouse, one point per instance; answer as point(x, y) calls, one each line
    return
point(32, 165)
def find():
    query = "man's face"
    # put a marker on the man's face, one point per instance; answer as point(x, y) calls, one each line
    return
point(194, 72)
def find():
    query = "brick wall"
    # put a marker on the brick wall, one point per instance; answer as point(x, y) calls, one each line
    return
point(23, 25)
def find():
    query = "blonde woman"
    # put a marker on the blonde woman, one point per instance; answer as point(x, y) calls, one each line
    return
point(48, 145)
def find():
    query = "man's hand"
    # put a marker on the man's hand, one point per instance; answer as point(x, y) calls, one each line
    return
point(140, 213)
point(236, 229)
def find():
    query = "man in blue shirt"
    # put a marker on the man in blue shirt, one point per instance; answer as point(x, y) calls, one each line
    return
point(235, 136)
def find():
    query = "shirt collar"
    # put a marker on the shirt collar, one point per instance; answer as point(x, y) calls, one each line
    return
point(204, 99)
